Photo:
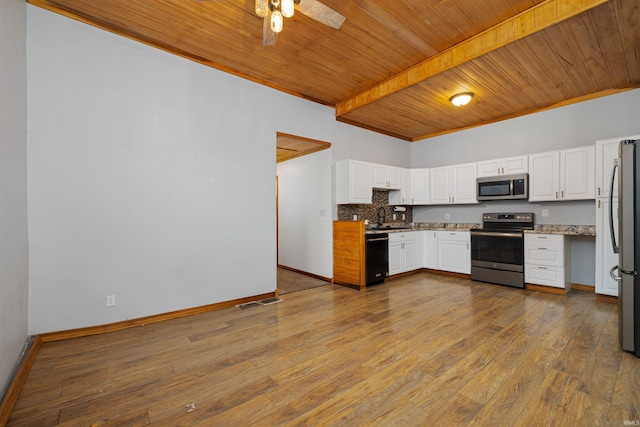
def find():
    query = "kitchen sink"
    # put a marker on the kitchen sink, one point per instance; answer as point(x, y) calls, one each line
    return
point(389, 227)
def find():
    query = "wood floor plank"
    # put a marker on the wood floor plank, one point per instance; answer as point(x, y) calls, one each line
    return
point(419, 350)
point(513, 397)
point(586, 410)
point(600, 373)
point(547, 405)
point(626, 393)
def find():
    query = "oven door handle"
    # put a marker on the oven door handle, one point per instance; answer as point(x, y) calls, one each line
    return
point(496, 234)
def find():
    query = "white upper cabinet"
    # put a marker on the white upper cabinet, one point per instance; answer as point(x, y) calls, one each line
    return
point(353, 182)
point(402, 196)
point(606, 154)
point(386, 177)
point(506, 166)
point(464, 183)
point(577, 173)
point(453, 184)
point(562, 175)
point(420, 187)
point(544, 176)
point(440, 185)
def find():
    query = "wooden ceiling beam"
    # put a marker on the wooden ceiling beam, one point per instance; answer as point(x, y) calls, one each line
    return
point(513, 29)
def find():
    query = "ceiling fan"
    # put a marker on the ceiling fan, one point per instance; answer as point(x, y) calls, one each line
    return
point(273, 12)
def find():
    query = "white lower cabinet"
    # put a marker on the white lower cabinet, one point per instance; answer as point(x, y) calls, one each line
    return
point(547, 260)
point(430, 249)
point(403, 252)
point(454, 252)
point(605, 257)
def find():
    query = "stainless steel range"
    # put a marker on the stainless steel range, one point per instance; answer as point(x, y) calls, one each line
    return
point(497, 249)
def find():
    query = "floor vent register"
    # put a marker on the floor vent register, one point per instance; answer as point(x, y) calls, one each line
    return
point(258, 303)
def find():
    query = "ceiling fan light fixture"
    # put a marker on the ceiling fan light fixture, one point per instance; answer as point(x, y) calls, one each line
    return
point(262, 8)
point(287, 8)
point(276, 21)
point(460, 99)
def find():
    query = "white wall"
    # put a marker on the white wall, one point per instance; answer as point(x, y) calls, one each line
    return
point(305, 226)
point(150, 177)
point(564, 127)
point(14, 261)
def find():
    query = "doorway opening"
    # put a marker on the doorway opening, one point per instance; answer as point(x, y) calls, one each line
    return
point(303, 213)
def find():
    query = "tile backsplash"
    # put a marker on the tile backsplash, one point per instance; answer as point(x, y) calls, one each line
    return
point(370, 212)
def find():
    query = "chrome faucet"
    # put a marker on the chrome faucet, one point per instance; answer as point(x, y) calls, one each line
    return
point(382, 214)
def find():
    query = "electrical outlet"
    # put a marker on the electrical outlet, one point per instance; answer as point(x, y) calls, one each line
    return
point(545, 212)
point(323, 212)
point(395, 217)
point(447, 216)
point(404, 217)
point(111, 300)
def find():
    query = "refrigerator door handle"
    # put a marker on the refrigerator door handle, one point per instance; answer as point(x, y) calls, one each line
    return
point(616, 248)
point(615, 277)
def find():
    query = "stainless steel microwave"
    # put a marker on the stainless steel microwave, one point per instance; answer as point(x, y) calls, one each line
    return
point(504, 187)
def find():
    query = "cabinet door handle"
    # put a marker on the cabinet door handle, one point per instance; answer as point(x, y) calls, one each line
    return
point(503, 170)
point(556, 194)
point(599, 200)
point(542, 249)
point(542, 268)
point(562, 194)
point(542, 237)
point(467, 246)
point(598, 191)
point(498, 171)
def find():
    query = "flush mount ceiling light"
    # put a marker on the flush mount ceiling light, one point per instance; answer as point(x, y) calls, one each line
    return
point(460, 99)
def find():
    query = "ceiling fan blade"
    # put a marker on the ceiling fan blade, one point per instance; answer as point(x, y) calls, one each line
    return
point(268, 36)
point(321, 13)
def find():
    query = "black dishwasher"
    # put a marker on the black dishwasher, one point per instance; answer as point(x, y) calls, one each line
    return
point(376, 257)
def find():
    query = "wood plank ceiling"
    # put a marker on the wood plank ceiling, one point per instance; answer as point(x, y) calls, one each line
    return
point(393, 65)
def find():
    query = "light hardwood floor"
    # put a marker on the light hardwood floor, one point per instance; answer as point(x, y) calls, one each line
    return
point(418, 351)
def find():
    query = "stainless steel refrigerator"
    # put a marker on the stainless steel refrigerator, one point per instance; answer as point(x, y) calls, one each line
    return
point(626, 243)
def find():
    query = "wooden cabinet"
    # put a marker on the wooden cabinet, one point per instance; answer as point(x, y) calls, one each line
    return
point(454, 253)
point(562, 175)
point(386, 177)
point(453, 184)
point(429, 253)
point(506, 166)
point(547, 260)
point(353, 182)
point(605, 258)
point(420, 187)
point(349, 253)
point(403, 252)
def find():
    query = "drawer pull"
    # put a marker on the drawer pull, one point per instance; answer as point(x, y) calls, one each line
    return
point(542, 268)
point(542, 249)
